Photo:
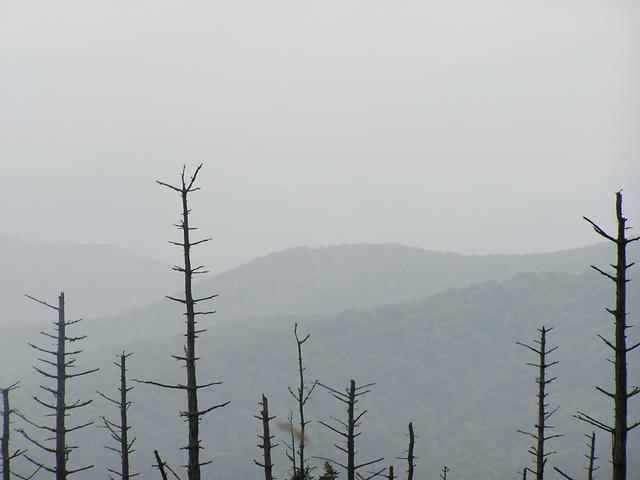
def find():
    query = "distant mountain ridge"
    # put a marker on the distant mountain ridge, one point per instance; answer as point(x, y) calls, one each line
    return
point(447, 362)
point(100, 279)
point(331, 280)
point(116, 287)
point(444, 358)
point(352, 276)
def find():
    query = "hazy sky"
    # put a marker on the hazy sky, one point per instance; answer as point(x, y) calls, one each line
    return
point(470, 126)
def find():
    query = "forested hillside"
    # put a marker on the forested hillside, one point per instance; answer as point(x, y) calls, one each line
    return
point(295, 281)
point(447, 362)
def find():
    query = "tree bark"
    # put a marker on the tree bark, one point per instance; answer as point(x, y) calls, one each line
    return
point(620, 395)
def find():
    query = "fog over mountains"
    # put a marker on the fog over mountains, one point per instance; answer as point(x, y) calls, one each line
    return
point(102, 280)
point(381, 173)
point(434, 330)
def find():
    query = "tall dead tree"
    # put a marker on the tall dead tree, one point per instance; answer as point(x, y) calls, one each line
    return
point(291, 447)
point(445, 470)
point(390, 474)
point(620, 395)
point(163, 466)
point(591, 459)
point(266, 438)
point(540, 433)
point(410, 458)
point(7, 411)
point(350, 398)
point(193, 413)
point(120, 431)
point(301, 395)
point(64, 361)
point(370, 474)
point(591, 456)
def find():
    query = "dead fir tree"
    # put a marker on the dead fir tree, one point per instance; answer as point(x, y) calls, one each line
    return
point(540, 436)
point(410, 458)
point(291, 447)
point(160, 465)
point(266, 438)
point(120, 431)
point(301, 395)
point(193, 413)
point(390, 474)
point(591, 456)
point(163, 466)
point(370, 474)
point(64, 361)
point(620, 395)
point(445, 470)
point(349, 397)
point(591, 459)
point(7, 412)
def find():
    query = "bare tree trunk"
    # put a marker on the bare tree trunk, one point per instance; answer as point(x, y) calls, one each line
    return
point(410, 458)
point(61, 378)
point(591, 456)
point(266, 437)
point(302, 395)
point(542, 425)
point(350, 398)
point(193, 412)
point(390, 475)
point(445, 470)
point(351, 427)
point(125, 447)
point(7, 456)
point(120, 433)
point(621, 395)
point(6, 419)
point(292, 456)
point(61, 408)
point(591, 459)
point(160, 464)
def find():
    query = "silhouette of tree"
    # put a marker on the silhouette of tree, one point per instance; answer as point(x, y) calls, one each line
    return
point(591, 459)
point(193, 413)
point(620, 395)
point(410, 458)
point(350, 398)
point(63, 363)
point(301, 395)
point(266, 437)
point(120, 432)
point(291, 447)
point(542, 425)
point(445, 470)
point(7, 411)
point(163, 466)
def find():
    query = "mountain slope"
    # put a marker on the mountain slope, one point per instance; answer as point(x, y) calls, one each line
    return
point(448, 363)
point(330, 280)
point(100, 280)
point(297, 281)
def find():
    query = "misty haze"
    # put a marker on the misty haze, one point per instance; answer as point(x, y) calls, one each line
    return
point(319, 240)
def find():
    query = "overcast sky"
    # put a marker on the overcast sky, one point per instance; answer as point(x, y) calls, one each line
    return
point(469, 126)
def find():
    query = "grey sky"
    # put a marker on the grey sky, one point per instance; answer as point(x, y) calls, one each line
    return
point(476, 127)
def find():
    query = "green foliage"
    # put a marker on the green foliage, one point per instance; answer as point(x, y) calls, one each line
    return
point(301, 474)
point(329, 472)
point(447, 362)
